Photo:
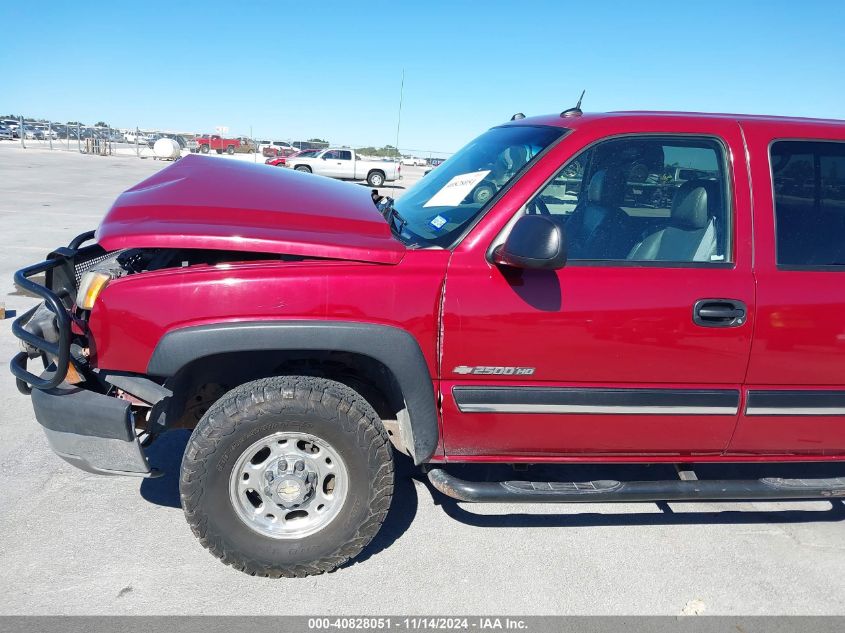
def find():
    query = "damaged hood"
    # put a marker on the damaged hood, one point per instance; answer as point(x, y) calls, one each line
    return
point(205, 202)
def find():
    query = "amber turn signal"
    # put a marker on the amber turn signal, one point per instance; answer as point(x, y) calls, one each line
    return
point(73, 377)
point(90, 287)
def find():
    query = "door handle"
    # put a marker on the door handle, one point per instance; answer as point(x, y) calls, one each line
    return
point(719, 313)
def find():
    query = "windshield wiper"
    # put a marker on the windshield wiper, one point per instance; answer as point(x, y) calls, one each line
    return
point(395, 221)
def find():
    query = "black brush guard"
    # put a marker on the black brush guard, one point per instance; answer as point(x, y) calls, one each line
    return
point(59, 351)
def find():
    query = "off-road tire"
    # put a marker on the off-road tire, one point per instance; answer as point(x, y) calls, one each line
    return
point(375, 178)
point(303, 168)
point(323, 408)
point(230, 150)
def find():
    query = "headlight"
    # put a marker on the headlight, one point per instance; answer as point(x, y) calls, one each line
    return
point(90, 287)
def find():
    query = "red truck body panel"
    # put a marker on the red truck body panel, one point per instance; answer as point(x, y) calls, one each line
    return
point(205, 203)
point(582, 327)
point(128, 320)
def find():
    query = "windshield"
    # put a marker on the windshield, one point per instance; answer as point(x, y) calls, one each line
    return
point(443, 203)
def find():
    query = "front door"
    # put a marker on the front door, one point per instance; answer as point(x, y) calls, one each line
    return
point(640, 344)
point(338, 164)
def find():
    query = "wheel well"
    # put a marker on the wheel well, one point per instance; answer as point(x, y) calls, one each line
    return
point(200, 383)
point(376, 171)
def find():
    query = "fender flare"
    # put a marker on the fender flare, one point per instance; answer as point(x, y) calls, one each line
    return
point(396, 348)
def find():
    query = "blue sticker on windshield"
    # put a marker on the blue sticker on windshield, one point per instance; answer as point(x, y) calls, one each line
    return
point(438, 222)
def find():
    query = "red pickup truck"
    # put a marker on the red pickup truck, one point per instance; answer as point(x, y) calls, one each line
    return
point(220, 144)
point(631, 287)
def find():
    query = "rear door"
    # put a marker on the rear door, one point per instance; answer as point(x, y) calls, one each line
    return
point(795, 393)
point(623, 351)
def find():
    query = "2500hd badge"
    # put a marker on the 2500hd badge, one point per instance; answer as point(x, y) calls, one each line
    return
point(481, 370)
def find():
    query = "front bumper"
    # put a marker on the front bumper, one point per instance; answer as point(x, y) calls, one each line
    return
point(92, 431)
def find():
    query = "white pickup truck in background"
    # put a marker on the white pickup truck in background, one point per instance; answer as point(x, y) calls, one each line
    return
point(346, 165)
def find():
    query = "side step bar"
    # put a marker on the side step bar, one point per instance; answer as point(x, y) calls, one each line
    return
point(605, 491)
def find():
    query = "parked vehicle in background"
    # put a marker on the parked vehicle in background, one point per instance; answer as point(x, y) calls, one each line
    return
point(434, 163)
point(221, 144)
point(280, 161)
point(276, 148)
point(136, 137)
point(13, 125)
point(247, 146)
point(344, 164)
point(44, 133)
point(312, 336)
point(413, 161)
point(5, 133)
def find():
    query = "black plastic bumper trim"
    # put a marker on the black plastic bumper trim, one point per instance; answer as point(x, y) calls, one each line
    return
point(92, 431)
point(71, 409)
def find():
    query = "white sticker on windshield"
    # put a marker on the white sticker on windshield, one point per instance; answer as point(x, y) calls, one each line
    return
point(454, 191)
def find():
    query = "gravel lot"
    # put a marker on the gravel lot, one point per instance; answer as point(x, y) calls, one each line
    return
point(73, 543)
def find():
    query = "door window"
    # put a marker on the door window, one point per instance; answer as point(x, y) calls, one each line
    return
point(344, 155)
point(809, 193)
point(641, 199)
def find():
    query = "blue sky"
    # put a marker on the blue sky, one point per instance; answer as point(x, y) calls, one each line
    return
point(303, 69)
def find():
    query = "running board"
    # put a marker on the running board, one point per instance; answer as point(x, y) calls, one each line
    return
point(608, 491)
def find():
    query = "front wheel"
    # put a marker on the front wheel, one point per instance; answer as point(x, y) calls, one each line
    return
point(230, 150)
point(375, 179)
point(287, 476)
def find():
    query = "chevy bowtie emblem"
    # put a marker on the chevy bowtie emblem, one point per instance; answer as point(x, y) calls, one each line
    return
point(483, 370)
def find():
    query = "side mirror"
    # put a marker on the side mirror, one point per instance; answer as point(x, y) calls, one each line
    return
point(536, 241)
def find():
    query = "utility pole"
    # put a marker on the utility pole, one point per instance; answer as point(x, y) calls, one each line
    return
point(399, 118)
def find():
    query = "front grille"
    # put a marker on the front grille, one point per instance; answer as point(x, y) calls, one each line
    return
point(84, 262)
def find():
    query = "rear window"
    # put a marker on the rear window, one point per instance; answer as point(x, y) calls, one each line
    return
point(809, 192)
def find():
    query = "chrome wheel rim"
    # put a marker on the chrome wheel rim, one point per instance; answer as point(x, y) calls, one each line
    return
point(288, 485)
